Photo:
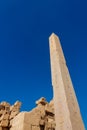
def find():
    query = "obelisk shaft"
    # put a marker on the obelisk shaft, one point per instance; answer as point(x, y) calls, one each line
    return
point(67, 113)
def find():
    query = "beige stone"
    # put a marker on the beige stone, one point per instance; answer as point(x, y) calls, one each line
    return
point(41, 101)
point(18, 104)
point(13, 114)
point(4, 116)
point(2, 112)
point(4, 123)
point(49, 109)
point(67, 113)
point(0, 128)
point(18, 122)
point(37, 119)
point(2, 107)
point(11, 122)
point(6, 104)
point(7, 113)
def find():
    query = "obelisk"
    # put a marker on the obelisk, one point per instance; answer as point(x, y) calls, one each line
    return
point(67, 112)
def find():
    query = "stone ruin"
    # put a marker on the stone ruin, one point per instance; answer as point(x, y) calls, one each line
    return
point(7, 113)
point(40, 118)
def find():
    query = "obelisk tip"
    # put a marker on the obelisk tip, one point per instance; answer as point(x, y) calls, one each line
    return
point(53, 36)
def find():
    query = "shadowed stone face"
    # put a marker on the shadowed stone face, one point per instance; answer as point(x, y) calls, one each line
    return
point(67, 113)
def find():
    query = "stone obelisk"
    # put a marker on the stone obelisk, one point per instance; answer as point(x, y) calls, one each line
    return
point(67, 112)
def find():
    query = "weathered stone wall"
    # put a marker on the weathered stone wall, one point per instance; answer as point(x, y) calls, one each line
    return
point(40, 118)
point(7, 113)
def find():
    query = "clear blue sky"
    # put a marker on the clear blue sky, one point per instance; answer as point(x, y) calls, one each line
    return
point(24, 49)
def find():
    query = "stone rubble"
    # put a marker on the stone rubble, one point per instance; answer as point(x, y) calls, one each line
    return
point(7, 113)
point(40, 117)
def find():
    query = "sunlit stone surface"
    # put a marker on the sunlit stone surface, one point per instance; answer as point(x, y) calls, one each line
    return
point(67, 112)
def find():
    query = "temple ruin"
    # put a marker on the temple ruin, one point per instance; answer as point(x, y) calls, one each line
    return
point(40, 118)
point(61, 113)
